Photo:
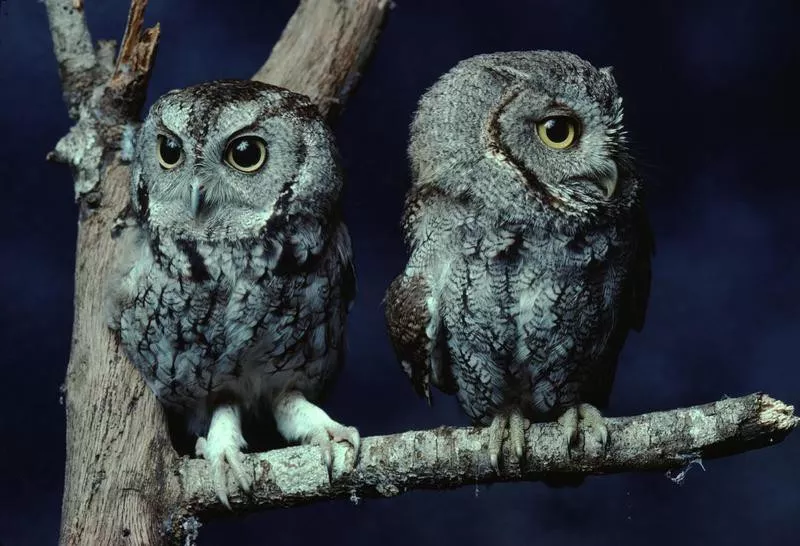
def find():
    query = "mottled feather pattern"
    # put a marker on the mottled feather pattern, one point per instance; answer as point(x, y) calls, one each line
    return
point(206, 315)
point(232, 288)
point(533, 275)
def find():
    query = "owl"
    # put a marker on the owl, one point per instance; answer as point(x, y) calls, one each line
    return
point(529, 245)
point(233, 287)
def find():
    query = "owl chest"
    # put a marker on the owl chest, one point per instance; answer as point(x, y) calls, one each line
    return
point(541, 300)
point(208, 312)
point(564, 298)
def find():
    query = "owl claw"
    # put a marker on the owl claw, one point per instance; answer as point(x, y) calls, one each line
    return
point(223, 448)
point(325, 436)
point(515, 424)
point(516, 434)
point(301, 421)
point(587, 419)
point(496, 430)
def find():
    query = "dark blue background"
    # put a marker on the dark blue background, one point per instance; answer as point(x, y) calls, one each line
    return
point(712, 110)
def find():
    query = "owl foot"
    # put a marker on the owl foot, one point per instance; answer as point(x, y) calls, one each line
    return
point(515, 424)
point(300, 421)
point(586, 419)
point(224, 444)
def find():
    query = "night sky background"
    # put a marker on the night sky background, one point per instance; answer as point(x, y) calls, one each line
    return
point(712, 109)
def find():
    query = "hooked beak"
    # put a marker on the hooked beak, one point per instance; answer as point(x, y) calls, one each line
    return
point(607, 180)
point(198, 198)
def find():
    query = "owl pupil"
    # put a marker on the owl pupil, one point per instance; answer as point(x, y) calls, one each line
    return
point(170, 151)
point(245, 153)
point(557, 129)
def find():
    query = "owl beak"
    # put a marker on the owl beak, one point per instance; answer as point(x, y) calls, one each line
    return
point(608, 185)
point(198, 198)
point(607, 181)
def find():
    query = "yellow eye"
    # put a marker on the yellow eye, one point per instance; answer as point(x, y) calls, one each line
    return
point(169, 150)
point(246, 154)
point(557, 132)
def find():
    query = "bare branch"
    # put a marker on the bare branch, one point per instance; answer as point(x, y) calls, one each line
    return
point(102, 98)
point(77, 62)
point(324, 48)
point(454, 457)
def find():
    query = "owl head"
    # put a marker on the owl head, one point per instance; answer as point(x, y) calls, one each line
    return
point(525, 133)
point(226, 159)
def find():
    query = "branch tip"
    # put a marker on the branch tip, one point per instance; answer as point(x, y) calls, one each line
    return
point(777, 414)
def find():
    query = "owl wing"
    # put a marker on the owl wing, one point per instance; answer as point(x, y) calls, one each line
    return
point(412, 304)
point(122, 283)
point(415, 331)
point(632, 308)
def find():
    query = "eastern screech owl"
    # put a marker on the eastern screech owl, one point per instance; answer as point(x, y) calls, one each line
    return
point(529, 244)
point(234, 285)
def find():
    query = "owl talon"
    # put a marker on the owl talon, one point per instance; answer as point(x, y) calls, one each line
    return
point(586, 419)
point(515, 424)
point(594, 424)
point(516, 434)
point(223, 448)
point(301, 421)
point(569, 422)
point(496, 430)
point(322, 440)
point(334, 432)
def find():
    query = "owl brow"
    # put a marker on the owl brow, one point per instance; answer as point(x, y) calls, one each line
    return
point(162, 127)
point(251, 128)
point(557, 106)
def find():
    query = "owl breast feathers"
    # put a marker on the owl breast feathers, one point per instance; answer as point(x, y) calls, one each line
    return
point(529, 244)
point(234, 285)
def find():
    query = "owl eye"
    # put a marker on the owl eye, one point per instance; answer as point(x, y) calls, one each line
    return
point(170, 152)
point(558, 132)
point(246, 154)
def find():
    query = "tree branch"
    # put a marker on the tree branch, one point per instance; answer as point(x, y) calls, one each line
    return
point(454, 457)
point(77, 61)
point(324, 48)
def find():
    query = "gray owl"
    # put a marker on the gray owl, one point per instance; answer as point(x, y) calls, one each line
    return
point(529, 245)
point(234, 285)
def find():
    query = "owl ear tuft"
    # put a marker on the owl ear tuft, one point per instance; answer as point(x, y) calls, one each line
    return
point(607, 70)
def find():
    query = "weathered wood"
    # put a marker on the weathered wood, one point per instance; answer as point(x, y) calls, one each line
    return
point(452, 457)
point(116, 437)
point(324, 48)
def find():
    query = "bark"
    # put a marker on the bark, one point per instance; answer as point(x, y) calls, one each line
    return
point(124, 484)
point(324, 48)
point(452, 457)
